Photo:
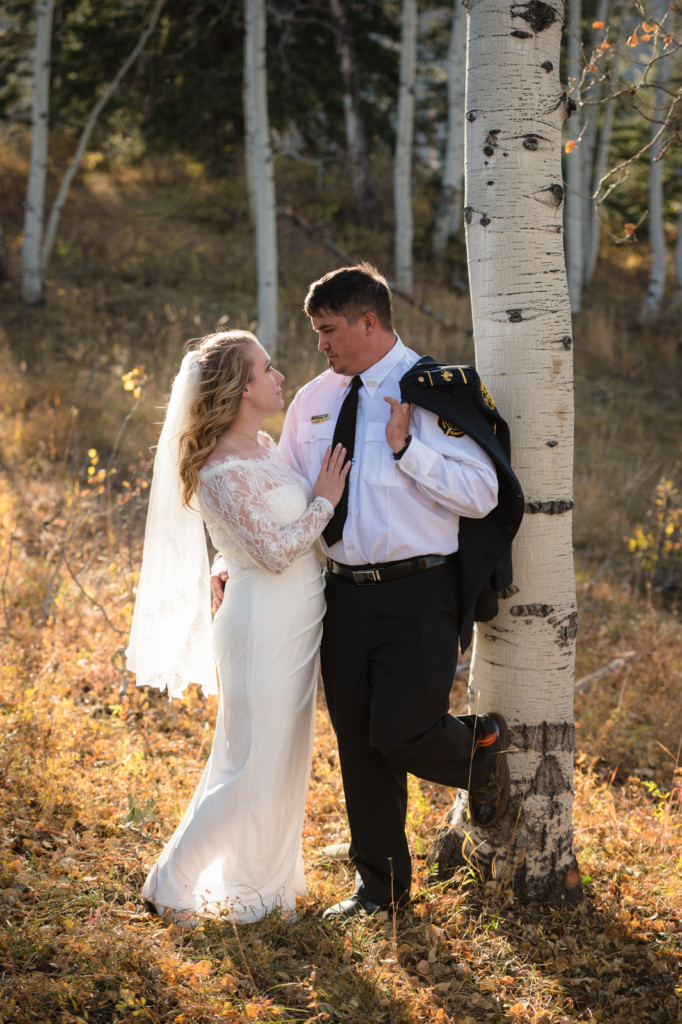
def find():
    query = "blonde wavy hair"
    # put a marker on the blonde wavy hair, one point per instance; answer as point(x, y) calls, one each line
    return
point(225, 371)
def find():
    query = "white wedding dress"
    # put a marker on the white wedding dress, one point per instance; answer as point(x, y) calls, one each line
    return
point(237, 849)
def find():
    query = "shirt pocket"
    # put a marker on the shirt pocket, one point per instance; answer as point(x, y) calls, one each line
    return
point(379, 467)
point(318, 434)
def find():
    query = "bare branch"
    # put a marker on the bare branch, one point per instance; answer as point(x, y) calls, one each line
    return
point(58, 205)
point(315, 233)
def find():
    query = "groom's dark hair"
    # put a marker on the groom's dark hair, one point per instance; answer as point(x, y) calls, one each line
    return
point(351, 292)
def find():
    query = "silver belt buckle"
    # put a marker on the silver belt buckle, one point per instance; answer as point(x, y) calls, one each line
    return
point(365, 576)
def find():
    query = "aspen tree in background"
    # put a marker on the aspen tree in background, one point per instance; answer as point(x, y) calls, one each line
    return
point(402, 177)
point(450, 202)
point(31, 257)
point(577, 203)
point(658, 73)
point(261, 169)
point(356, 142)
point(523, 660)
point(37, 249)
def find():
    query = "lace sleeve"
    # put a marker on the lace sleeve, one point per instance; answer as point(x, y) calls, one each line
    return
point(241, 498)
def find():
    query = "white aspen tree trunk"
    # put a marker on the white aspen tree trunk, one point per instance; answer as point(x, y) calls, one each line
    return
point(356, 142)
point(402, 179)
point(600, 166)
point(658, 74)
point(523, 660)
point(32, 267)
point(449, 206)
point(257, 121)
point(591, 114)
point(575, 165)
point(247, 102)
point(601, 160)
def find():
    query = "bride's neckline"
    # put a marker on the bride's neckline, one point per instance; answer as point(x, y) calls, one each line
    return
point(266, 450)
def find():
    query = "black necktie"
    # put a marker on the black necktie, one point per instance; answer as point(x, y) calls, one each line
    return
point(344, 433)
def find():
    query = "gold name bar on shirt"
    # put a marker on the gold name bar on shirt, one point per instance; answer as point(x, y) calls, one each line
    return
point(319, 418)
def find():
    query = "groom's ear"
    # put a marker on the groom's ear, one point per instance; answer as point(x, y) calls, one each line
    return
point(369, 322)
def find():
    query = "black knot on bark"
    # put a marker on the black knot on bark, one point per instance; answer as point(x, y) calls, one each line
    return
point(566, 341)
point(468, 213)
point(489, 150)
point(547, 66)
point(515, 316)
point(531, 142)
point(518, 34)
point(538, 14)
point(485, 221)
point(471, 115)
point(552, 196)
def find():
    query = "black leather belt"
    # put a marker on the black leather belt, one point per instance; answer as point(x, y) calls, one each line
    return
point(390, 571)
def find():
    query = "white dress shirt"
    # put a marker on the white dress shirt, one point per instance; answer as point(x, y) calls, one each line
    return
point(396, 509)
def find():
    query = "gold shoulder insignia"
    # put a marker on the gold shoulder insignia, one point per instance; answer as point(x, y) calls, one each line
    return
point(487, 397)
point(446, 375)
point(449, 429)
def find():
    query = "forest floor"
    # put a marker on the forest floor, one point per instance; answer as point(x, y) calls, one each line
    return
point(94, 773)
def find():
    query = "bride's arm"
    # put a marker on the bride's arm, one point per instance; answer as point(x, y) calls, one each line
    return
point(238, 497)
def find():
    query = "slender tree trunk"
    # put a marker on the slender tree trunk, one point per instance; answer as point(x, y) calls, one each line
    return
point(592, 115)
point(449, 205)
point(658, 75)
point(678, 273)
point(575, 166)
point(523, 661)
point(258, 126)
point(600, 166)
point(58, 205)
point(356, 142)
point(404, 224)
point(601, 159)
point(32, 266)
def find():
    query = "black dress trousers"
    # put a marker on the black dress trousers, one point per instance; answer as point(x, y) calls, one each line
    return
point(389, 655)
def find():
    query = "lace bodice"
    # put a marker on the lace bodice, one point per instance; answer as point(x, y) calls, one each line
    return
point(260, 512)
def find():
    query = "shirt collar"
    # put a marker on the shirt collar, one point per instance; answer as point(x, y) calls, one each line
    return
point(375, 375)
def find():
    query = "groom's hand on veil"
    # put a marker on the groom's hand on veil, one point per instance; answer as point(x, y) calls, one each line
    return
point(218, 589)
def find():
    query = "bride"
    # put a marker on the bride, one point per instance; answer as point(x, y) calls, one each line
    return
point(237, 849)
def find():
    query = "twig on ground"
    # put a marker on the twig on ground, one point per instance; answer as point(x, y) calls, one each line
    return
point(614, 666)
point(92, 600)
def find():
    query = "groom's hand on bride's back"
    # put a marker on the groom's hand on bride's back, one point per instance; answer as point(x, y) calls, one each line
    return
point(218, 589)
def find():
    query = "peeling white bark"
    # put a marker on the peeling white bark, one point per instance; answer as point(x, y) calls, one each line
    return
point(523, 661)
point(263, 183)
point(402, 178)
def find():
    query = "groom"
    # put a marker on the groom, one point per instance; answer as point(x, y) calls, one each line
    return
point(394, 575)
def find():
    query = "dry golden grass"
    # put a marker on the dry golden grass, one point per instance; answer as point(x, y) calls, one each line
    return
point(94, 775)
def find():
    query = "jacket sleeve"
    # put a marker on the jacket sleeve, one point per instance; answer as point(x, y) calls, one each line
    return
point(451, 469)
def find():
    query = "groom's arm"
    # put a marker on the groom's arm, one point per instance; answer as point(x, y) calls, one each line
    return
point(219, 577)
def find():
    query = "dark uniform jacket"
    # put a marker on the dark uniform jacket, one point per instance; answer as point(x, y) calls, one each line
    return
point(457, 395)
